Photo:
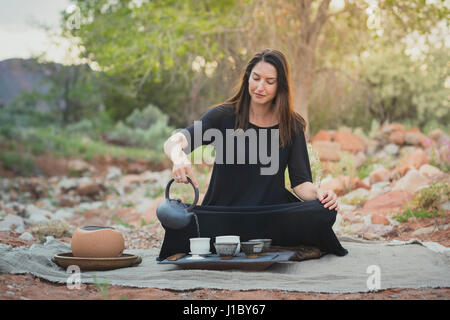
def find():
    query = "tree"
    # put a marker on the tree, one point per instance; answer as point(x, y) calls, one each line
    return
point(154, 44)
point(304, 28)
point(160, 38)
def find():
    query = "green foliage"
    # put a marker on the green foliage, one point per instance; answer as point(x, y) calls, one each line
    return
point(147, 128)
point(315, 164)
point(18, 163)
point(367, 167)
point(431, 197)
point(416, 213)
point(346, 166)
point(56, 228)
point(406, 90)
point(92, 126)
point(316, 169)
point(103, 286)
point(22, 112)
point(355, 201)
point(119, 221)
point(426, 202)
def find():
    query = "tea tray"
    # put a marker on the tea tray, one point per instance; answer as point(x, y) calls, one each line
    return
point(240, 261)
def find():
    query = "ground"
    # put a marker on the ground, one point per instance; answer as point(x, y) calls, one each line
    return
point(27, 286)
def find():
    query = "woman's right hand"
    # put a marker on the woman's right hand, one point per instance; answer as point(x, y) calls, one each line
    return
point(181, 169)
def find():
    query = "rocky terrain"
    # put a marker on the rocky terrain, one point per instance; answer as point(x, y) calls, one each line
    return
point(399, 164)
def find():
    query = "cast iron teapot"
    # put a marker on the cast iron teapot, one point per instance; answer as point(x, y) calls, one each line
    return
point(174, 214)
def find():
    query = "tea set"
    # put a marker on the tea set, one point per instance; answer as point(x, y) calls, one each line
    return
point(99, 244)
point(228, 246)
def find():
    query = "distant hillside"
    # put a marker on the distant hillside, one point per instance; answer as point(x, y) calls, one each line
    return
point(18, 75)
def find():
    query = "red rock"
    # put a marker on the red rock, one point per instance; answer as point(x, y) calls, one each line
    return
point(327, 150)
point(389, 202)
point(415, 137)
point(89, 188)
point(322, 135)
point(135, 168)
point(358, 183)
point(415, 159)
point(349, 141)
point(379, 175)
point(339, 185)
point(397, 137)
point(379, 219)
point(391, 127)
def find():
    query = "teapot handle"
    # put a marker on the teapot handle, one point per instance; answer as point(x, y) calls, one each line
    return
point(195, 190)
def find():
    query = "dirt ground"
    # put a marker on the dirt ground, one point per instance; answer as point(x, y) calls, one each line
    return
point(30, 287)
point(27, 286)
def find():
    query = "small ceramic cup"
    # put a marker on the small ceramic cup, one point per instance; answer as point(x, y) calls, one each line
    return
point(225, 250)
point(252, 249)
point(267, 243)
point(200, 245)
point(230, 239)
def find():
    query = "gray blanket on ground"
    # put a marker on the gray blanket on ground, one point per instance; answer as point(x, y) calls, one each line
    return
point(368, 266)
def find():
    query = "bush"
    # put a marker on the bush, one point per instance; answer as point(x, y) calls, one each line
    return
point(18, 163)
point(426, 202)
point(147, 128)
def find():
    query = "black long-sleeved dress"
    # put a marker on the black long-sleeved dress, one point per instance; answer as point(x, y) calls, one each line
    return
point(247, 195)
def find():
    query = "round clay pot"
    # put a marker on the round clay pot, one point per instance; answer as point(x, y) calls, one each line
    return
point(97, 242)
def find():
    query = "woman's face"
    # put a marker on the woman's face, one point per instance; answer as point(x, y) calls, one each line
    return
point(262, 83)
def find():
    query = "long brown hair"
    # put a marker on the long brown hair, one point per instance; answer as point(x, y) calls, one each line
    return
point(282, 103)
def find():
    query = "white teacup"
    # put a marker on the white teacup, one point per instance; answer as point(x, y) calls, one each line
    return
point(235, 239)
point(200, 245)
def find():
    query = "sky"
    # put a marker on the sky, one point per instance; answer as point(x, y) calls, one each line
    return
point(21, 38)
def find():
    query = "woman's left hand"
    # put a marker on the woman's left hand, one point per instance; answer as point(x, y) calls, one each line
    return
point(328, 198)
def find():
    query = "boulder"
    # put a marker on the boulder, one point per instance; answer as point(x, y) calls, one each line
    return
point(327, 150)
point(391, 149)
point(379, 219)
point(66, 184)
point(322, 135)
point(412, 182)
point(343, 184)
point(359, 159)
point(391, 133)
point(114, 173)
point(429, 171)
point(27, 236)
point(79, 166)
point(349, 141)
point(371, 147)
point(424, 231)
point(435, 134)
point(414, 137)
point(416, 159)
point(339, 185)
point(11, 222)
point(397, 137)
point(388, 128)
point(360, 193)
point(388, 203)
point(90, 188)
point(379, 175)
point(35, 214)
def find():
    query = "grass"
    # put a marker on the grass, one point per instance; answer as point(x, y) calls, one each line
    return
point(121, 222)
point(103, 287)
point(416, 213)
point(19, 151)
point(61, 144)
point(17, 162)
point(355, 201)
point(426, 202)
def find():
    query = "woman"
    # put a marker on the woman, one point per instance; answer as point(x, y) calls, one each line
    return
point(241, 199)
